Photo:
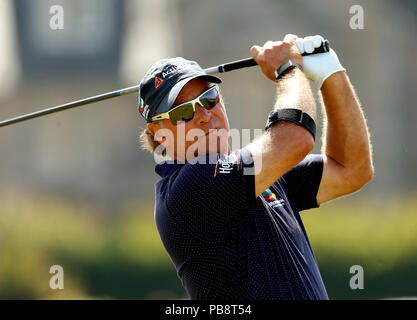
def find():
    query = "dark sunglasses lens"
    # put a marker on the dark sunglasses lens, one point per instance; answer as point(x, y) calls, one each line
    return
point(183, 113)
point(209, 99)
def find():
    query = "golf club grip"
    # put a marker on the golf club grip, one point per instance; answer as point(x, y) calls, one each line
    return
point(250, 62)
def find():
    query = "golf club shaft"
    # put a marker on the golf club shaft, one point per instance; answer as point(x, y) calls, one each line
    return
point(234, 65)
point(70, 105)
point(250, 62)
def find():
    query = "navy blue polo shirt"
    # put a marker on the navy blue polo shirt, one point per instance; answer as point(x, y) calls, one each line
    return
point(225, 242)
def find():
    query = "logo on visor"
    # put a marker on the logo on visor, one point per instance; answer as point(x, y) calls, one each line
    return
point(158, 82)
point(140, 104)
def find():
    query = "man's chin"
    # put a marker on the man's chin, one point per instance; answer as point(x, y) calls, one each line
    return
point(214, 150)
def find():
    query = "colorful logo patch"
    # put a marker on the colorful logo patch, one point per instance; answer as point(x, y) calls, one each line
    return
point(271, 198)
point(269, 195)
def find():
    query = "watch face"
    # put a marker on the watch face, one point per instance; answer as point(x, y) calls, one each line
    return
point(285, 67)
point(276, 74)
point(281, 70)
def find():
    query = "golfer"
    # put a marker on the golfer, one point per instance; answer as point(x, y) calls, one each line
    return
point(230, 220)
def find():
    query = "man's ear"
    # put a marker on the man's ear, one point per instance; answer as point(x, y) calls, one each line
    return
point(153, 127)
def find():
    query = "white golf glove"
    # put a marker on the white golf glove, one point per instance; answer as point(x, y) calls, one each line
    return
point(318, 67)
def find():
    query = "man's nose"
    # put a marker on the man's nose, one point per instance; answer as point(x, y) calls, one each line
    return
point(202, 115)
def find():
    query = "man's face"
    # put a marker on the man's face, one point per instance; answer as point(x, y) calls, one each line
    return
point(206, 133)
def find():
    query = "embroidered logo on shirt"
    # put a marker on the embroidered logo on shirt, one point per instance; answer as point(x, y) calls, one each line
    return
point(272, 200)
point(225, 163)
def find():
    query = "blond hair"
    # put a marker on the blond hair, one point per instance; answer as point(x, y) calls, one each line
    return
point(147, 141)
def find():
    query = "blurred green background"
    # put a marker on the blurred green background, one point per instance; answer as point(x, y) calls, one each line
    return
point(122, 256)
point(77, 191)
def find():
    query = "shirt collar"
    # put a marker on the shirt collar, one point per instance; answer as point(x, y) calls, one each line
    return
point(167, 168)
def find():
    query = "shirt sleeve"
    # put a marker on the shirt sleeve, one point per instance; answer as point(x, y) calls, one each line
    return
point(303, 181)
point(205, 197)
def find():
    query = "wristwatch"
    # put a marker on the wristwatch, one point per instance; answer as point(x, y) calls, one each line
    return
point(285, 67)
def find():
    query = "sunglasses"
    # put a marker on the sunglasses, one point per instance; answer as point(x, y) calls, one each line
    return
point(185, 111)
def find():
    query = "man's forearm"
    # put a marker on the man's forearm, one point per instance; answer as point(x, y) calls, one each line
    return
point(285, 144)
point(294, 91)
point(345, 135)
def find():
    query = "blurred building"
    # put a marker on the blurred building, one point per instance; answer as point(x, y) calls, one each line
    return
point(9, 53)
point(92, 153)
point(88, 44)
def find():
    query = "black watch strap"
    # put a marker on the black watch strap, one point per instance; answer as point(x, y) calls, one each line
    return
point(293, 115)
point(285, 67)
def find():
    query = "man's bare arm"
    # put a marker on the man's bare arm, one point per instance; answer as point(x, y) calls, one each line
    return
point(285, 144)
point(346, 147)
